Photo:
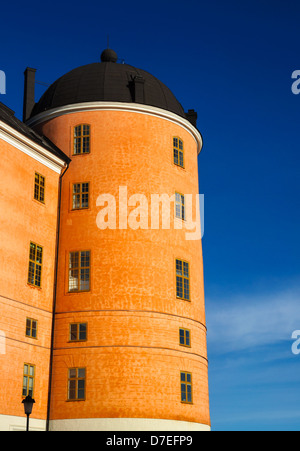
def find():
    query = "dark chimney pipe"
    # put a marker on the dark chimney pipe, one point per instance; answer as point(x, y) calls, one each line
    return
point(28, 102)
point(191, 116)
point(138, 82)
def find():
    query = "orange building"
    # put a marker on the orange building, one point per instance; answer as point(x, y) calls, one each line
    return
point(103, 299)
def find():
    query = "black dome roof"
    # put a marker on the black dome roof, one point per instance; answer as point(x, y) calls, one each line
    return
point(108, 81)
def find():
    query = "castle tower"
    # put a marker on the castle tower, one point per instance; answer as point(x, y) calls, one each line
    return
point(129, 349)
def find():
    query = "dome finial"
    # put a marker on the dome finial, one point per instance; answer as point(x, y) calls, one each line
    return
point(109, 56)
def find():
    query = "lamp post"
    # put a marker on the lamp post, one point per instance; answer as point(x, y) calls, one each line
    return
point(28, 404)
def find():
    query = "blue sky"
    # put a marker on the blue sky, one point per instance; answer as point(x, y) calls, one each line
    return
point(232, 62)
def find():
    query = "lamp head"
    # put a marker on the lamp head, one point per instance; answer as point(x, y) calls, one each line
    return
point(28, 404)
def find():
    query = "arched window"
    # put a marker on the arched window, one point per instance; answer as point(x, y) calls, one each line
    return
point(178, 152)
point(81, 139)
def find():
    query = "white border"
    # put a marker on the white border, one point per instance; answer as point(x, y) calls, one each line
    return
point(125, 424)
point(15, 423)
point(118, 106)
point(34, 150)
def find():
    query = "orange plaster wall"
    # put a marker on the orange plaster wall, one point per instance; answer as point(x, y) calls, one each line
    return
point(23, 220)
point(132, 300)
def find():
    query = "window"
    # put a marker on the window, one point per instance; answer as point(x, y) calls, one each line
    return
point(80, 196)
point(186, 387)
point(76, 384)
point(78, 331)
point(185, 337)
point(182, 280)
point(178, 154)
point(39, 188)
point(35, 265)
point(81, 139)
point(79, 271)
point(31, 328)
point(179, 206)
point(28, 379)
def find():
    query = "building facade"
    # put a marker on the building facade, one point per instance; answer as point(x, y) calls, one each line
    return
point(113, 301)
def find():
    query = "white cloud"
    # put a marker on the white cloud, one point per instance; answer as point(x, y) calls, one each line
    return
point(251, 320)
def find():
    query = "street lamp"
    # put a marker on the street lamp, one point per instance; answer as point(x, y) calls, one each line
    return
point(28, 404)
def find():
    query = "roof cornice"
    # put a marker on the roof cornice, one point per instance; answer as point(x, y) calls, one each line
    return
point(29, 147)
point(118, 106)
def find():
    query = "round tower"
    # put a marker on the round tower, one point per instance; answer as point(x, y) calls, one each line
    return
point(130, 336)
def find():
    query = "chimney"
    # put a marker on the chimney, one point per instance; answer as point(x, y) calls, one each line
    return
point(191, 116)
point(28, 102)
point(139, 82)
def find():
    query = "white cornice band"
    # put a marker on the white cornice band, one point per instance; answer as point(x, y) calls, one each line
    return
point(118, 106)
point(29, 147)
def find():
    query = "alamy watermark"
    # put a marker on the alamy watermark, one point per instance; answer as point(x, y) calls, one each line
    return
point(141, 212)
point(2, 82)
point(296, 84)
point(296, 344)
point(2, 342)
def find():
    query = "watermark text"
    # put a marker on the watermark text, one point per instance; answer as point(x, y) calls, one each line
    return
point(296, 84)
point(2, 82)
point(296, 344)
point(2, 342)
point(155, 211)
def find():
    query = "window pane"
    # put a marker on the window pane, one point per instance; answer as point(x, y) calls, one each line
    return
point(30, 383)
point(186, 289)
point(74, 259)
point(76, 200)
point(82, 331)
point(179, 267)
point(179, 288)
point(72, 372)
point(181, 159)
point(81, 384)
point(77, 130)
point(39, 254)
point(76, 188)
point(181, 336)
point(84, 279)
point(85, 258)
point(72, 389)
point(73, 332)
point(32, 251)
point(86, 145)
point(175, 156)
point(86, 129)
point(38, 273)
point(80, 394)
point(85, 200)
point(187, 337)
point(81, 372)
point(73, 280)
point(183, 377)
point(185, 269)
